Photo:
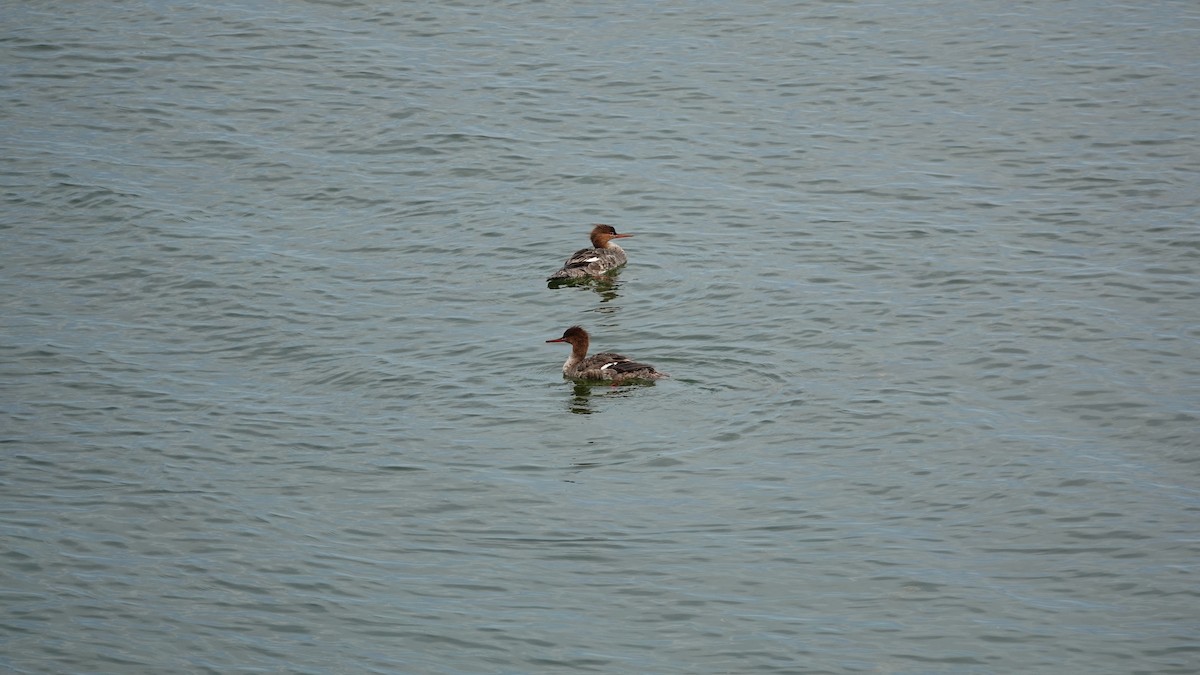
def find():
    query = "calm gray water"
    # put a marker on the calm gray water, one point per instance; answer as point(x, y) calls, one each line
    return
point(276, 396)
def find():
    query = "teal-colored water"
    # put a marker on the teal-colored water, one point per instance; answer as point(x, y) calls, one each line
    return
point(277, 396)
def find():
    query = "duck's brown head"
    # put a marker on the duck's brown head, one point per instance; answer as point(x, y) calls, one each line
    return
point(573, 335)
point(602, 234)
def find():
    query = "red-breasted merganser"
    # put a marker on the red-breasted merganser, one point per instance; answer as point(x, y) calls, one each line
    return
point(612, 367)
point(603, 256)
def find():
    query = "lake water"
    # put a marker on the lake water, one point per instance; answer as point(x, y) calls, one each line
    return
point(277, 398)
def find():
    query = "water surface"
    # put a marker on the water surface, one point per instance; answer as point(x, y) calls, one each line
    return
point(277, 397)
